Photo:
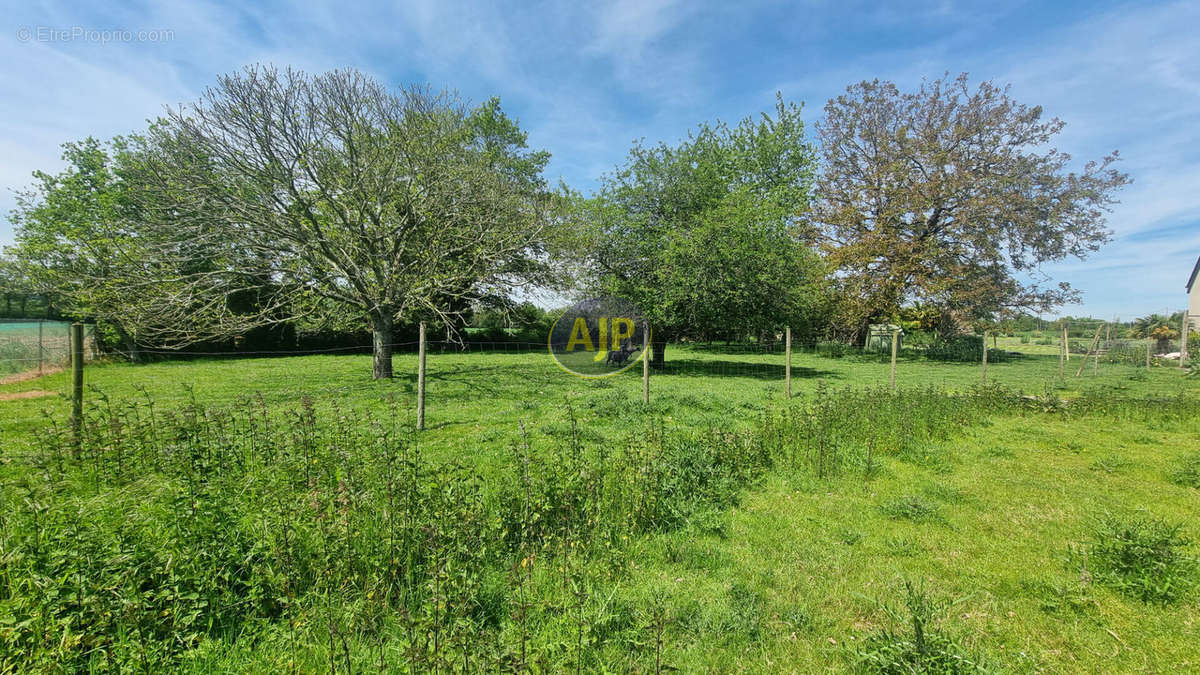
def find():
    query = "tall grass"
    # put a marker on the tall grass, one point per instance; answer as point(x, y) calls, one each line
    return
point(321, 537)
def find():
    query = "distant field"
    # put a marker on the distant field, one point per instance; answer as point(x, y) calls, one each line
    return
point(757, 562)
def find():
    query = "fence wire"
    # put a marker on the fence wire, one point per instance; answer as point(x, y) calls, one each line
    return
point(38, 345)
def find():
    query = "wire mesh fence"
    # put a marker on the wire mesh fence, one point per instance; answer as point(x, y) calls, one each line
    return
point(38, 346)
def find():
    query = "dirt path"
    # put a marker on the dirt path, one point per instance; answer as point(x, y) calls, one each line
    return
point(31, 375)
point(33, 393)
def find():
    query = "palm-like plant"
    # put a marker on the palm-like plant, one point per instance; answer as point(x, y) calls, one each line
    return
point(1145, 326)
point(1163, 334)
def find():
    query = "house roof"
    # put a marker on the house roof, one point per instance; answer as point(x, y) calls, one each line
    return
point(1192, 279)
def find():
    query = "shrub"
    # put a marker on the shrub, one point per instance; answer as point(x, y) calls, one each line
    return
point(833, 350)
point(965, 349)
point(1142, 557)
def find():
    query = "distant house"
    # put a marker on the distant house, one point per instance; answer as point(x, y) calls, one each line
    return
point(1193, 288)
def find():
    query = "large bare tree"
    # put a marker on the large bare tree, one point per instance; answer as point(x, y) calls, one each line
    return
point(951, 196)
point(345, 195)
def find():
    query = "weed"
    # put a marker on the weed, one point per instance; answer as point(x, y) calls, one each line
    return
point(904, 547)
point(1140, 556)
point(921, 646)
point(1188, 473)
point(1111, 464)
point(910, 507)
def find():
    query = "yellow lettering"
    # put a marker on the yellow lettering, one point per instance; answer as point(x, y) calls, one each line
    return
point(622, 329)
point(581, 334)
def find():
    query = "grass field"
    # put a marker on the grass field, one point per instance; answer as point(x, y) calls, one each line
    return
point(945, 528)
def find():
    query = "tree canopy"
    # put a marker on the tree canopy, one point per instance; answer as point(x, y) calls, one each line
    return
point(81, 241)
point(951, 196)
point(705, 236)
point(348, 197)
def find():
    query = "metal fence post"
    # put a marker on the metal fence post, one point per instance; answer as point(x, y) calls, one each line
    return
point(40, 353)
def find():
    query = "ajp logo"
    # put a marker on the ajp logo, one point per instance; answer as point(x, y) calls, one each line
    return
point(598, 337)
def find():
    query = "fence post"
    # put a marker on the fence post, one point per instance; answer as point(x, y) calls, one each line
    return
point(1062, 350)
point(1183, 335)
point(895, 344)
point(1067, 339)
point(983, 373)
point(1095, 344)
point(41, 324)
point(77, 383)
point(645, 362)
point(1149, 346)
point(787, 367)
point(421, 379)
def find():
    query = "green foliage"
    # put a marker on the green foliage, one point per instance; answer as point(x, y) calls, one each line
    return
point(1142, 557)
point(910, 507)
point(703, 237)
point(964, 349)
point(896, 235)
point(920, 646)
point(1188, 472)
point(170, 529)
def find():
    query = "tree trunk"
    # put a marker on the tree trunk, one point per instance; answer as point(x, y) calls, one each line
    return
point(658, 350)
point(130, 345)
point(381, 345)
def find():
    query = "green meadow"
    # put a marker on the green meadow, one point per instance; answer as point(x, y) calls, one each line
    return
point(281, 514)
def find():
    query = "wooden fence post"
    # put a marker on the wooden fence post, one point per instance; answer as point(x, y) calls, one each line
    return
point(983, 373)
point(1183, 335)
point(421, 379)
point(1094, 345)
point(787, 367)
point(1062, 350)
point(77, 384)
point(895, 345)
point(1067, 339)
point(646, 362)
point(1149, 346)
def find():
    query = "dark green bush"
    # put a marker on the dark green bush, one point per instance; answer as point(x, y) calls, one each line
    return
point(964, 349)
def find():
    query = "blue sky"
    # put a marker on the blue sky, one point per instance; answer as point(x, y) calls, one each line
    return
point(586, 80)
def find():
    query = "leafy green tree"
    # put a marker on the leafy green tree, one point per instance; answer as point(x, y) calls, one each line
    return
point(14, 287)
point(80, 241)
point(705, 237)
point(353, 198)
point(952, 197)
